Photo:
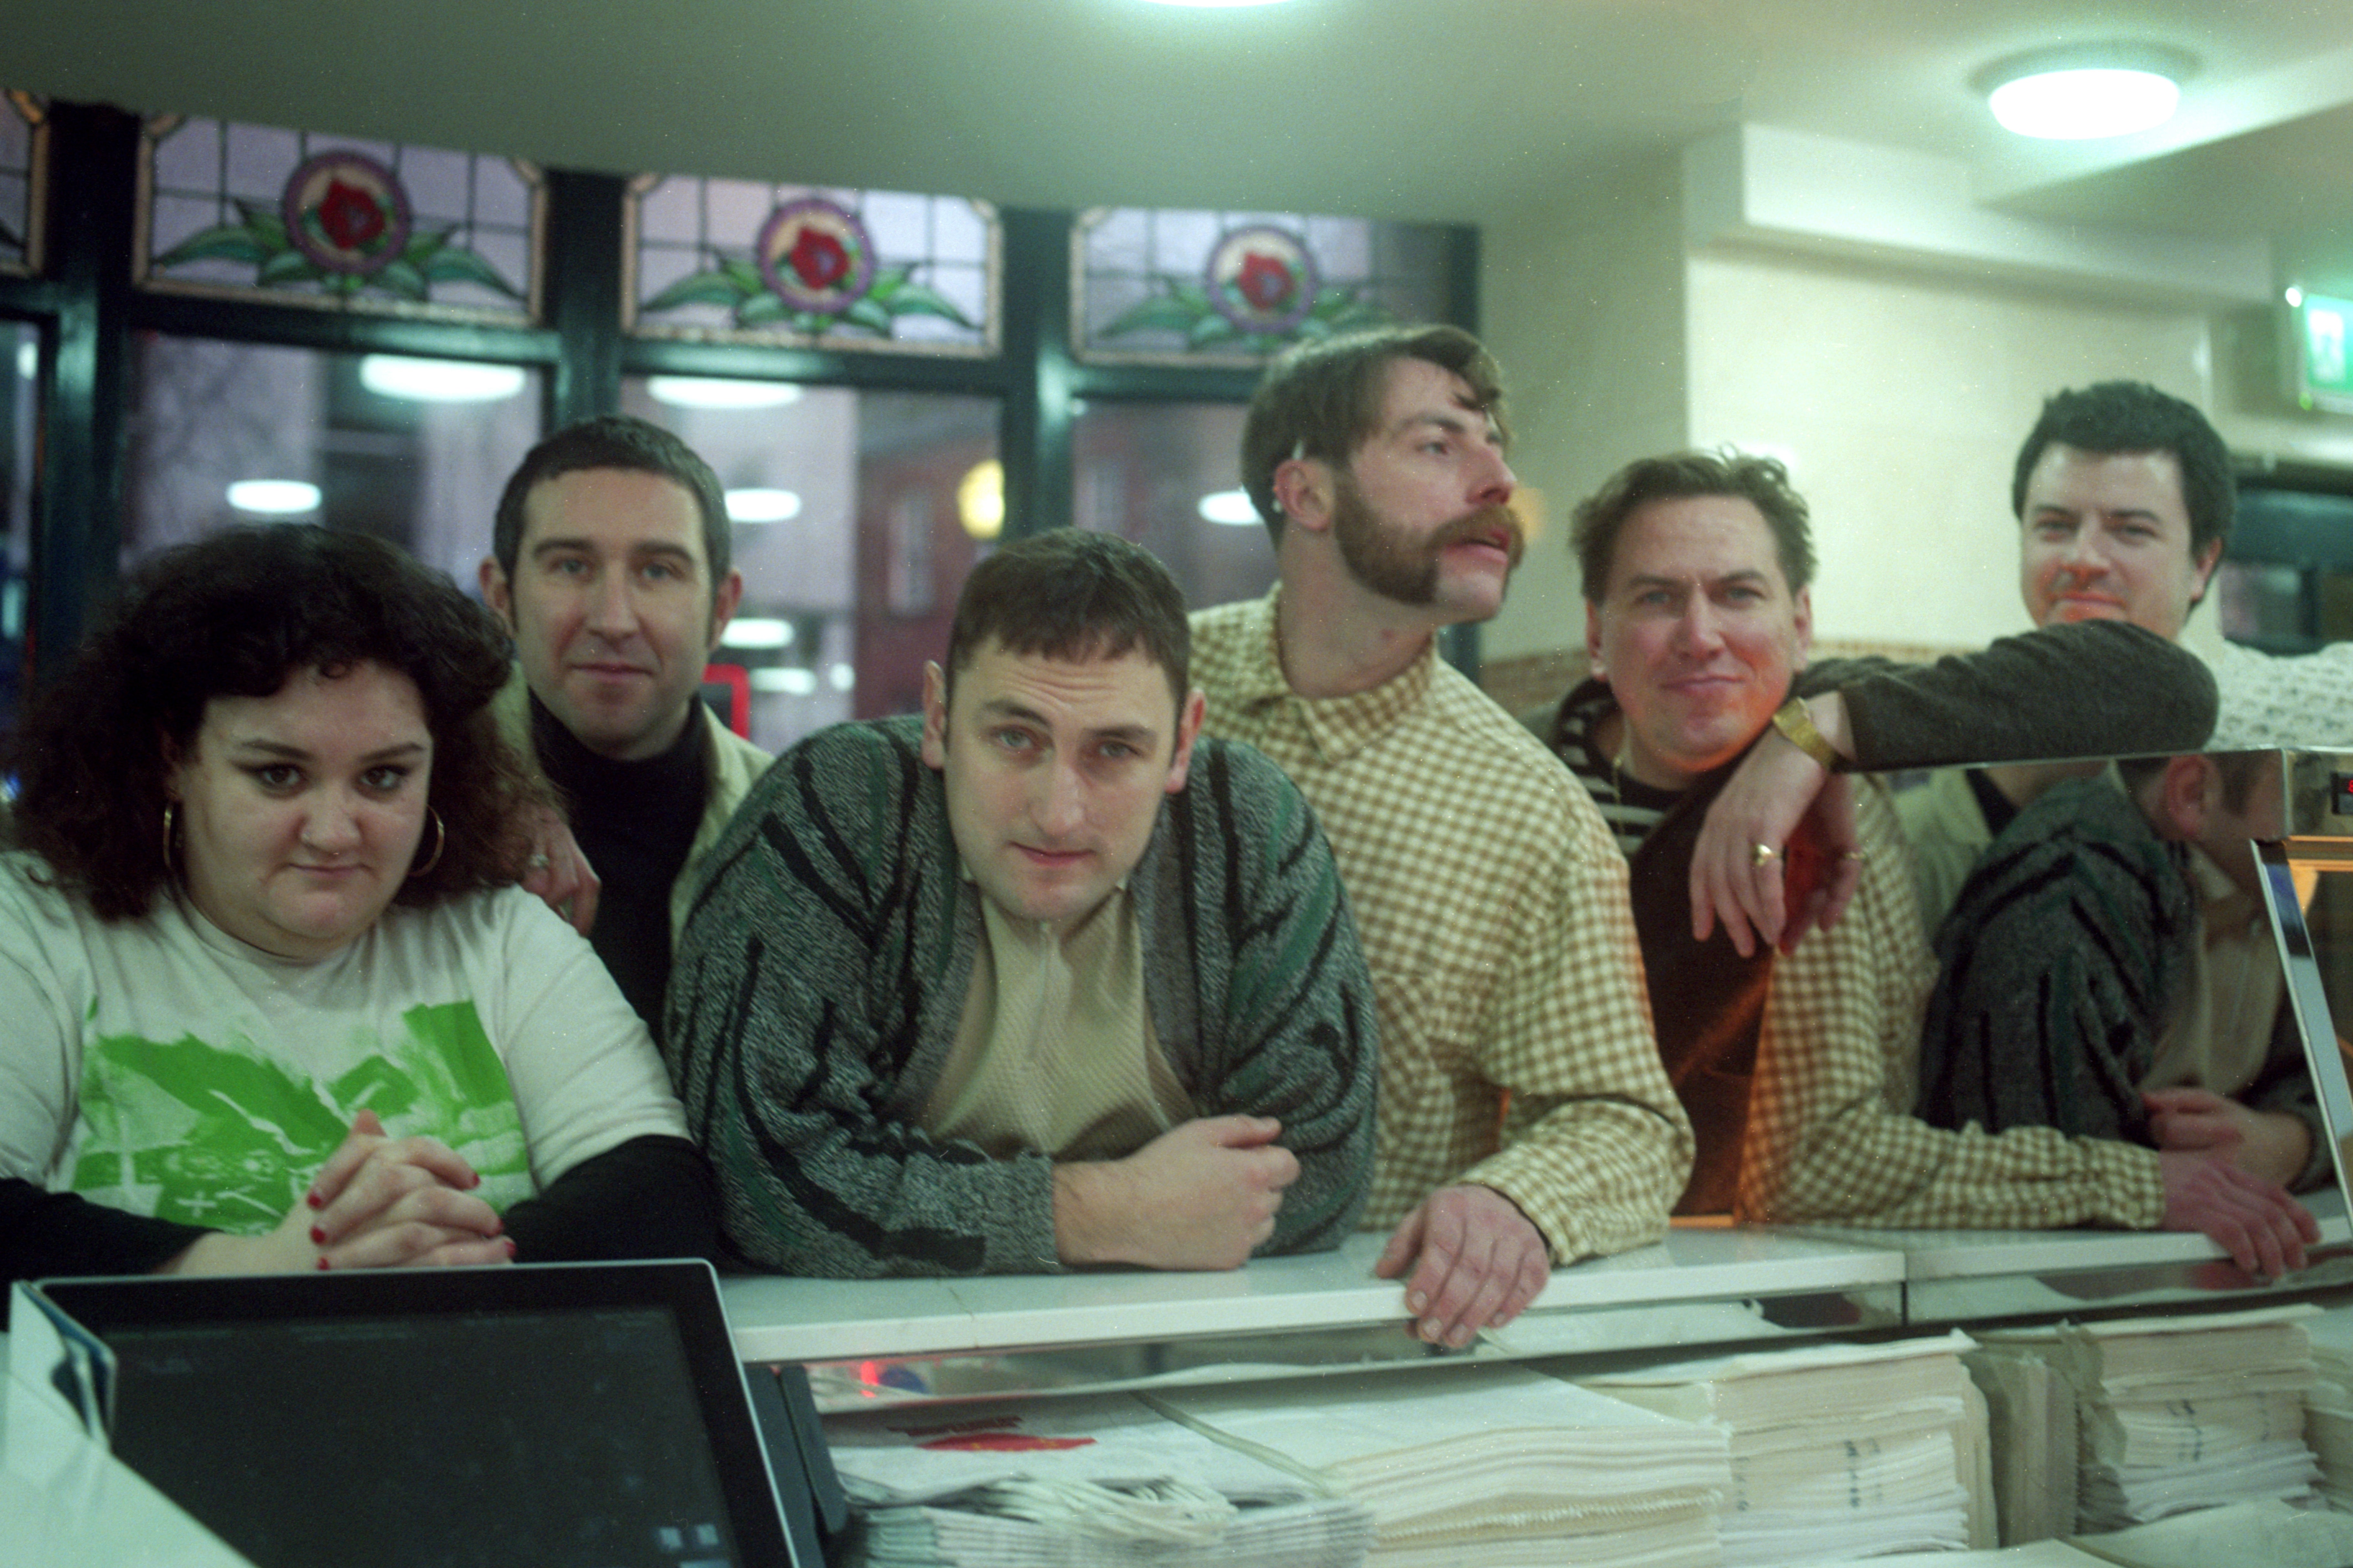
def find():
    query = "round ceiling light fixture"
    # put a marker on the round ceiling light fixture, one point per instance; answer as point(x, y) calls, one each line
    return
point(2081, 91)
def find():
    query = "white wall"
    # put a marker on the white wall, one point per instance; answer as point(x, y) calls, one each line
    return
point(1899, 401)
point(1897, 392)
point(1583, 302)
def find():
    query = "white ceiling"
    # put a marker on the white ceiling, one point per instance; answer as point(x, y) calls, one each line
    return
point(1441, 110)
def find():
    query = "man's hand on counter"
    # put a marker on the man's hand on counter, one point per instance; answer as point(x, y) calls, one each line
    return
point(2265, 1230)
point(1476, 1261)
point(1203, 1194)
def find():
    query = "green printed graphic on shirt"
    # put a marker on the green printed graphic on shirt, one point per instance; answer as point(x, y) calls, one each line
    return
point(221, 1136)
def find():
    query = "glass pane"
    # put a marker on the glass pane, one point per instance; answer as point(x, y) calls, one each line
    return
point(19, 411)
point(1163, 474)
point(750, 262)
point(849, 531)
point(207, 417)
point(1235, 287)
point(232, 209)
point(23, 157)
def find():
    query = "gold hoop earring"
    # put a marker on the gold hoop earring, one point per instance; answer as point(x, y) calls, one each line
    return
point(171, 825)
point(440, 842)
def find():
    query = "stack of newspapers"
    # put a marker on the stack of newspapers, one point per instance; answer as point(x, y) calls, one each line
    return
point(1484, 1467)
point(2174, 1414)
point(2328, 1409)
point(1082, 1481)
point(1838, 1451)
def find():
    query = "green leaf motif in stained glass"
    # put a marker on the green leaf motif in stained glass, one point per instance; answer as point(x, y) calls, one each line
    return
point(229, 243)
point(288, 266)
point(764, 310)
point(1181, 306)
point(260, 241)
point(868, 312)
point(401, 278)
point(735, 284)
point(457, 265)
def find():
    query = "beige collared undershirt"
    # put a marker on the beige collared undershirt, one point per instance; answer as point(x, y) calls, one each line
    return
point(2219, 1034)
point(1055, 1051)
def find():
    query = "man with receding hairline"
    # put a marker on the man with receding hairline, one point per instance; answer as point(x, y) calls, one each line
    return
point(1524, 1117)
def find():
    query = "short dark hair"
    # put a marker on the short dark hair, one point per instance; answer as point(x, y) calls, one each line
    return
point(2133, 416)
point(1322, 398)
point(1072, 593)
point(236, 614)
point(1762, 483)
point(616, 441)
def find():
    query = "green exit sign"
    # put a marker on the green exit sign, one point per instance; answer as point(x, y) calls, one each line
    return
point(2323, 373)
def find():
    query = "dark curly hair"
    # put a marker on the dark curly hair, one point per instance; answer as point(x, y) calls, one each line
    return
point(234, 615)
point(2113, 416)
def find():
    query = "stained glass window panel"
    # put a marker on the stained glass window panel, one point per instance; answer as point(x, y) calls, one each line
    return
point(1233, 288)
point(24, 170)
point(1165, 475)
point(849, 530)
point(230, 209)
point(207, 417)
point(741, 261)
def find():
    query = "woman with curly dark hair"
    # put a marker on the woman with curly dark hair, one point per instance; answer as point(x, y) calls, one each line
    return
point(274, 1001)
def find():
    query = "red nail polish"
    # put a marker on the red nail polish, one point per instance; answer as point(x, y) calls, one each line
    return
point(318, 1235)
point(509, 1243)
point(314, 1200)
point(322, 1263)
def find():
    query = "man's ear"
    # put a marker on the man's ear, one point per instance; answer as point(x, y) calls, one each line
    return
point(496, 593)
point(936, 716)
point(2185, 792)
point(1802, 610)
point(1593, 640)
point(1189, 730)
point(722, 608)
point(2203, 567)
point(1302, 488)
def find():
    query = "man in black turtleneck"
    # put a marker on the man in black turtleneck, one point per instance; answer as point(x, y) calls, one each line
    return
point(610, 565)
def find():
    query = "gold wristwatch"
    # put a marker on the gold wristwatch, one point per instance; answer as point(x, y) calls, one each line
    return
point(1794, 721)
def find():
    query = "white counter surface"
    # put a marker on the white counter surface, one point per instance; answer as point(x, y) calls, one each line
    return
point(67, 1502)
point(778, 1319)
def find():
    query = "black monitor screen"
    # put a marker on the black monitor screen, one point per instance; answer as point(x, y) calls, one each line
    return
point(507, 1440)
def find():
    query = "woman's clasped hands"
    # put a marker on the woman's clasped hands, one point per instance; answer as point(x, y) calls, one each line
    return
point(379, 1201)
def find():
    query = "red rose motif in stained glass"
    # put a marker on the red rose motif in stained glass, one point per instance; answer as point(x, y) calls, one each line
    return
point(818, 259)
point(351, 216)
point(1265, 281)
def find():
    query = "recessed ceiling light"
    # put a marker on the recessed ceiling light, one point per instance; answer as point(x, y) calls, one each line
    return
point(721, 392)
point(274, 498)
point(2078, 92)
point(763, 505)
point(440, 380)
point(1215, 4)
point(1232, 508)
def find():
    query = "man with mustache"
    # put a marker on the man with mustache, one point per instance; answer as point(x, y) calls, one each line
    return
point(1524, 1116)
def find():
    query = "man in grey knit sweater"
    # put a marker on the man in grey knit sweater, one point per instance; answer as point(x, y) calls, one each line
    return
point(1046, 980)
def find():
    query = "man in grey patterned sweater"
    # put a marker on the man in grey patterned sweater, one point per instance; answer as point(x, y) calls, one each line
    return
point(1044, 981)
